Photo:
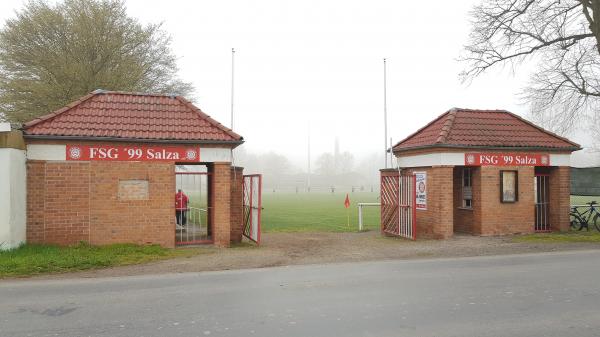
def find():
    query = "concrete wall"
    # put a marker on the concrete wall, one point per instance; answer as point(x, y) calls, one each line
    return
point(12, 197)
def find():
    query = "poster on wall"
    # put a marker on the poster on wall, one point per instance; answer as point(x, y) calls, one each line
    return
point(421, 187)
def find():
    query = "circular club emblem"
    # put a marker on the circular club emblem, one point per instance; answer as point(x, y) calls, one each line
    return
point(470, 159)
point(191, 154)
point(75, 152)
point(544, 160)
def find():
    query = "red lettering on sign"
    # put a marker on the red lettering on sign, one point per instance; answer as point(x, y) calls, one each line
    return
point(506, 159)
point(133, 153)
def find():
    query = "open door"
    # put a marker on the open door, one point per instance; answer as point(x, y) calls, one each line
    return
point(252, 206)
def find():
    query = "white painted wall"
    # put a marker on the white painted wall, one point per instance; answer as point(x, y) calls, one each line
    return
point(12, 198)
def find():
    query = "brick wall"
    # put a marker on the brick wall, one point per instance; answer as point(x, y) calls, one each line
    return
point(237, 208)
point(57, 202)
point(222, 204)
point(506, 218)
point(140, 221)
point(560, 201)
point(70, 202)
point(36, 192)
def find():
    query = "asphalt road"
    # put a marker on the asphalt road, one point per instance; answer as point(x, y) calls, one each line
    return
point(551, 294)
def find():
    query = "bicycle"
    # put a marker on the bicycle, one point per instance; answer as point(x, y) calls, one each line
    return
point(580, 220)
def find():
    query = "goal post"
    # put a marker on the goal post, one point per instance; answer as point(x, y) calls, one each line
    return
point(360, 212)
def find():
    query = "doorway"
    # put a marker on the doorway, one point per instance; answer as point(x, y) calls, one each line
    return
point(193, 216)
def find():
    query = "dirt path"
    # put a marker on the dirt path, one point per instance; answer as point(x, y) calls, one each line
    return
point(279, 249)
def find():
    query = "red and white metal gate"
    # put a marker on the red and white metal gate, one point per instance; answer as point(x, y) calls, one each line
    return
point(252, 206)
point(542, 203)
point(398, 200)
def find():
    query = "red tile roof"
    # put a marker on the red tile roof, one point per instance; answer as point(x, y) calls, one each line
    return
point(464, 128)
point(128, 116)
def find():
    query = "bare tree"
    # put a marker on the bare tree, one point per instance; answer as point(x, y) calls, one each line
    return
point(562, 35)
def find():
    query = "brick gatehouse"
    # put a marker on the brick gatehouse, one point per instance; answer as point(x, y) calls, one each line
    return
point(103, 170)
point(486, 172)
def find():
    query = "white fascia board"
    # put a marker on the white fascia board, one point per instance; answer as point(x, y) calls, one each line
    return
point(215, 154)
point(432, 159)
point(46, 152)
point(560, 159)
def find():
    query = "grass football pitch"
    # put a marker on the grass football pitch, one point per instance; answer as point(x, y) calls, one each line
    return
point(304, 212)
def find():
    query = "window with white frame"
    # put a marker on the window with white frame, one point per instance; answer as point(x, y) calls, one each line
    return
point(467, 191)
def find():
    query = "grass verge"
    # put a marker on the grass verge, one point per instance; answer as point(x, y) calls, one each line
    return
point(33, 259)
point(573, 236)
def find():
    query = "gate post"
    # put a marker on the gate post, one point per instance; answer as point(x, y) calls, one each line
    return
point(221, 180)
point(560, 198)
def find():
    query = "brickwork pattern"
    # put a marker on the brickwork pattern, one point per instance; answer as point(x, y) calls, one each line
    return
point(36, 192)
point(506, 218)
point(560, 201)
point(222, 204)
point(58, 203)
point(137, 221)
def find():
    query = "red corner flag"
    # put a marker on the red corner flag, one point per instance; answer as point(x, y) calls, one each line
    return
point(347, 201)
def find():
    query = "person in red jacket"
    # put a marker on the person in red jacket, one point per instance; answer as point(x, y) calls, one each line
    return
point(181, 206)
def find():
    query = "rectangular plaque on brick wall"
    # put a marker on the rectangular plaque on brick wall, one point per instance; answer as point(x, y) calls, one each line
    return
point(133, 190)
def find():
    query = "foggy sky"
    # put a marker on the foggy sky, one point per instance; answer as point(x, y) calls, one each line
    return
point(320, 63)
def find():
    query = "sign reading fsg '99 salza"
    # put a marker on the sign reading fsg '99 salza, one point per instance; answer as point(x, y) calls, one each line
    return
point(506, 159)
point(132, 153)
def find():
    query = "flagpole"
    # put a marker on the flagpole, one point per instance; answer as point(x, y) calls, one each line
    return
point(348, 216)
point(232, 82)
point(385, 128)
